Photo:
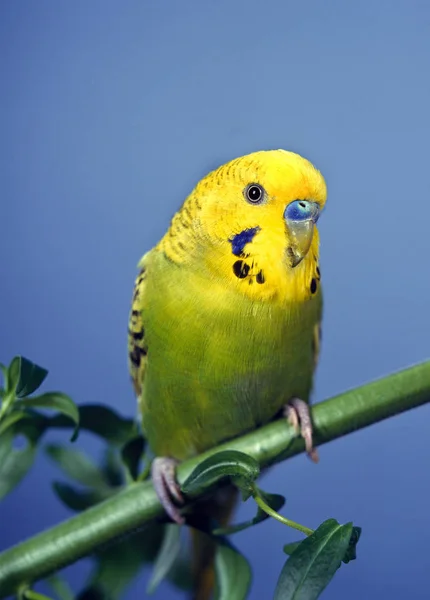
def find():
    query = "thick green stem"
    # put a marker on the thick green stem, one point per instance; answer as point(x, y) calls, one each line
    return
point(69, 541)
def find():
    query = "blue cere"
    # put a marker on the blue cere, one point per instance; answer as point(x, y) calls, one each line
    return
point(239, 241)
point(301, 210)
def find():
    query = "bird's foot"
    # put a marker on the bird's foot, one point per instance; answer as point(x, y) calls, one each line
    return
point(298, 414)
point(163, 473)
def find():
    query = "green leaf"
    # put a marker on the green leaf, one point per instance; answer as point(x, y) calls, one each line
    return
point(131, 454)
point(4, 372)
point(32, 595)
point(27, 374)
point(55, 401)
point(101, 421)
point(314, 562)
point(112, 468)
point(14, 463)
point(232, 571)
point(119, 563)
point(275, 501)
point(289, 548)
point(60, 587)
point(12, 418)
point(78, 500)
point(77, 466)
point(33, 428)
point(106, 423)
point(181, 573)
point(169, 552)
point(239, 467)
point(148, 540)
point(351, 552)
point(12, 375)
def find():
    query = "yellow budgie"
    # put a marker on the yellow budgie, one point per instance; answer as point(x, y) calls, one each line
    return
point(225, 324)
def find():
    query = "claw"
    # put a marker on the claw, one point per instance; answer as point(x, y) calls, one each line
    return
point(163, 473)
point(298, 415)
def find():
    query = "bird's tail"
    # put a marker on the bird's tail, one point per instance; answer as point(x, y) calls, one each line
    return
point(218, 508)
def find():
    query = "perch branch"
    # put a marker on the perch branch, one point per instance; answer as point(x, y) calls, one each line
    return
point(136, 504)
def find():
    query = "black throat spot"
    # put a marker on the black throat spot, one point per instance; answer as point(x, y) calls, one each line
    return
point(241, 269)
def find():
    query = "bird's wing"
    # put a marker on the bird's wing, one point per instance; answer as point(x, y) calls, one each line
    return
point(137, 348)
point(317, 333)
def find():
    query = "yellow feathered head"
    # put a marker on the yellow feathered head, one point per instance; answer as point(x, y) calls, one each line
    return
point(275, 194)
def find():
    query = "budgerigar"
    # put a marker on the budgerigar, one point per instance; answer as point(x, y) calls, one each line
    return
point(225, 323)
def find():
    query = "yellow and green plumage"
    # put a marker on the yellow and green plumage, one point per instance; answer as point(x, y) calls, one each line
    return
point(224, 327)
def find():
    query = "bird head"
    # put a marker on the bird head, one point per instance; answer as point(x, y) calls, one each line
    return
point(275, 195)
point(255, 218)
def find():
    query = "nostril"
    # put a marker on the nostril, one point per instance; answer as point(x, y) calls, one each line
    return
point(298, 210)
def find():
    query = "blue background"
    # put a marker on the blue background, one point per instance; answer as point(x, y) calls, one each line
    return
point(109, 114)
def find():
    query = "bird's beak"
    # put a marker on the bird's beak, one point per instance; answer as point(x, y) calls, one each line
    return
point(301, 233)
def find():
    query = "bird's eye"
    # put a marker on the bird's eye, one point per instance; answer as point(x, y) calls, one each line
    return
point(254, 193)
point(301, 210)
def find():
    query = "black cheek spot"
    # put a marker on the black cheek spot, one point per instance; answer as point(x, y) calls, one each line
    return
point(137, 354)
point(240, 269)
point(313, 286)
point(137, 335)
point(135, 357)
point(134, 318)
point(260, 277)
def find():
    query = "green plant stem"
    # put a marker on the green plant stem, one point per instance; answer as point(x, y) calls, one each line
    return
point(60, 587)
point(144, 474)
point(259, 500)
point(69, 541)
point(6, 404)
point(32, 595)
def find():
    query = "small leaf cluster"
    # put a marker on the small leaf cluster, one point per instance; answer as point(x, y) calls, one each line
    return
point(312, 562)
point(118, 563)
point(19, 417)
